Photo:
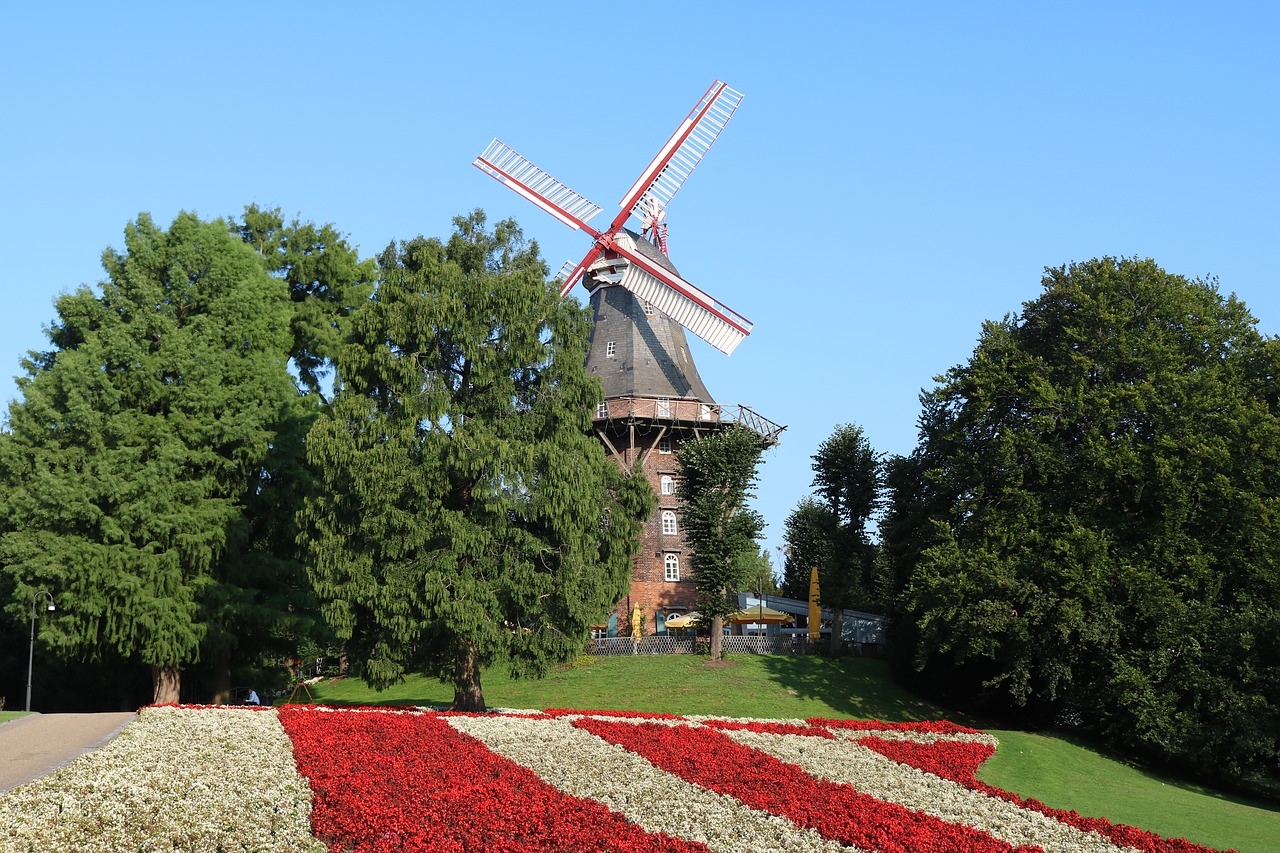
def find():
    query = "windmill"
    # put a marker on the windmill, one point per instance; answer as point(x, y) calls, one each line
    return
point(654, 397)
point(614, 257)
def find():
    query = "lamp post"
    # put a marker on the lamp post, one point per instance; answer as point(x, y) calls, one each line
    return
point(31, 654)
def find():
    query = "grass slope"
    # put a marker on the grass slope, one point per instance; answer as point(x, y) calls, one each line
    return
point(1052, 769)
point(1093, 783)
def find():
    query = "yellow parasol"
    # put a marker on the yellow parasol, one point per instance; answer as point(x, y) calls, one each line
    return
point(815, 612)
point(684, 620)
point(760, 615)
point(636, 619)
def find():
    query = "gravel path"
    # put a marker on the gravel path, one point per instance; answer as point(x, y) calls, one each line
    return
point(37, 744)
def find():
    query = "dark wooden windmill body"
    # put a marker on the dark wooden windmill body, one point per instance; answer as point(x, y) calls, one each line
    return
point(654, 399)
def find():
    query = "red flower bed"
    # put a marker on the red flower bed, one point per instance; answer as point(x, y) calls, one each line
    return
point(770, 728)
point(393, 780)
point(385, 781)
point(706, 757)
point(959, 762)
point(939, 727)
point(568, 712)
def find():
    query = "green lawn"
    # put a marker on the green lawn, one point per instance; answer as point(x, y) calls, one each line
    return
point(1052, 769)
point(9, 715)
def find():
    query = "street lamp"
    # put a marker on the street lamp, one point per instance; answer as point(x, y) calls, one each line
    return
point(31, 655)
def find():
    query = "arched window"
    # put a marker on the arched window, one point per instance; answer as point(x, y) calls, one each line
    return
point(671, 565)
point(668, 522)
point(668, 484)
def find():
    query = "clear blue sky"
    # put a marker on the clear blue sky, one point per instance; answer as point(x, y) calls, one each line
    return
point(896, 174)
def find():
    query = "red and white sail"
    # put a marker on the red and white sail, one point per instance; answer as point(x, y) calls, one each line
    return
point(647, 200)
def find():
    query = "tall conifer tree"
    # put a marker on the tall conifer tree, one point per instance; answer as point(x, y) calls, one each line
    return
point(467, 516)
point(138, 437)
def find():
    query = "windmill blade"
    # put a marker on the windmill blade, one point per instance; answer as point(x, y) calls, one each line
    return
point(571, 273)
point(663, 177)
point(709, 319)
point(506, 166)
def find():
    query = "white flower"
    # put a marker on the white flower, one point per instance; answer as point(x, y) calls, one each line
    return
point(191, 779)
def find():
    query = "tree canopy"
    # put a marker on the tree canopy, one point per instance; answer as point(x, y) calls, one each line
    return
point(718, 477)
point(327, 284)
point(138, 438)
point(829, 530)
point(467, 516)
point(1089, 527)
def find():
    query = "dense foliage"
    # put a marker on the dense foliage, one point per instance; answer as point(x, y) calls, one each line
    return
point(140, 440)
point(1089, 527)
point(829, 530)
point(467, 516)
point(718, 477)
point(327, 284)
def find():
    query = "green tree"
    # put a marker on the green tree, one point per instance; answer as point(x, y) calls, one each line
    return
point(138, 438)
point(467, 517)
point(830, 529)
point(808, 539)
point(327, 283)
point(718, 477)
point(1095, 516)
point(755, 566)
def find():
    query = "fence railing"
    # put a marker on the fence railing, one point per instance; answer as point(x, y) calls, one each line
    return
point(667, 645)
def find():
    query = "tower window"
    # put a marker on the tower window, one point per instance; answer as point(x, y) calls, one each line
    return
point(668, 484)
point(668, 522)
point(664, 407)
point(611, 349)
point(648, 309)
point(671, 567)
point(664, 445)
point(602, 410)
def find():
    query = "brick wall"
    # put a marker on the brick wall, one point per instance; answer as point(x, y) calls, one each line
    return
point(649, 588)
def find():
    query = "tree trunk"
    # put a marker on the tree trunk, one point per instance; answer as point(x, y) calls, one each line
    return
point(717, 637)
point(837, 631)
point(467, 693)
point(222, 677)
point(166, 685)
point(343, 660)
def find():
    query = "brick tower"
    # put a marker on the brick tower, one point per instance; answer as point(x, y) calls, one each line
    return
point(654, 401)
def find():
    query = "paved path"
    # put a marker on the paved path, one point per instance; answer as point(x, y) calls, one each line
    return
point(37, 744)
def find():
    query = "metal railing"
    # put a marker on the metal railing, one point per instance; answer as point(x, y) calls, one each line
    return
point(668, 645)
point(690, 411)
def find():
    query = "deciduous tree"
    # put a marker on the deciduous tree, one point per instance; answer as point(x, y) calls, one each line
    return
point(1096, 518)
point(829, 530)
point(718, 477)
point(467, 517)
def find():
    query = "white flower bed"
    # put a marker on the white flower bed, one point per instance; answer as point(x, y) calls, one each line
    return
point(581, 764)
point(177, 779)
point(872, 773)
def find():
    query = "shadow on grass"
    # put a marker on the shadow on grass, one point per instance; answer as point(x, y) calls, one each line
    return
point(859, 687)
point(1162, 776)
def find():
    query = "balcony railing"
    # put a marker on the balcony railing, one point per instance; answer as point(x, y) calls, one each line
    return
point(692, 412)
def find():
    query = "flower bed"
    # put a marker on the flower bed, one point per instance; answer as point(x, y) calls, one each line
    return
point(581, 780)
point(190, 779)
point(408, 780)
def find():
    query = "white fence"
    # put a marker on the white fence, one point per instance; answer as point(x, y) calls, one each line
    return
point(668, 645)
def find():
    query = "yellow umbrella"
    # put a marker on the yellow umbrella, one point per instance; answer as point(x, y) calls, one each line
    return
point(635, 622)
point(684, 620)
point(815, 612)
point(759, 615)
